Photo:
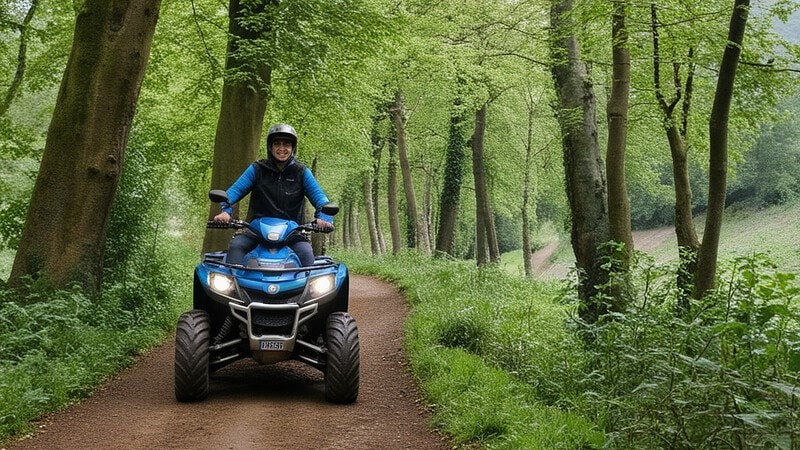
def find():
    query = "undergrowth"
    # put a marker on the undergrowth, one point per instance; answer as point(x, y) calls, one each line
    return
point(491, 352)
point(725, 375)
point(505, 363)
point(56, 348)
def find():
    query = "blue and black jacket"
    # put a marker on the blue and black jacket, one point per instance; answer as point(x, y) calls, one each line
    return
point(277, 192)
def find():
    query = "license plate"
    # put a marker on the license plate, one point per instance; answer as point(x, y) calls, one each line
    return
point(271, 345)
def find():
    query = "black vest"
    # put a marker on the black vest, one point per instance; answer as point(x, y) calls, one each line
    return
point(278, 193)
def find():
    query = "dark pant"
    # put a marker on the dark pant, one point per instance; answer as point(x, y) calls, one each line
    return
point(243, 243)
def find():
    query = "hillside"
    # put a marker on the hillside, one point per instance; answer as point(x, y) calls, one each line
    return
point(746, 230)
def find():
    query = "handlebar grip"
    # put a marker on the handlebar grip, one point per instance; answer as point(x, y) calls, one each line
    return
point(312, 226)
point(230, 224)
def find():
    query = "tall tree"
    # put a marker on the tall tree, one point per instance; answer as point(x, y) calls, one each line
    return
point(487, 249)
point(372, 225)
point(241, 116)
point(718, 155)
point(583, 162)
point(619, 208)
point(378, 142)
point(63, 240)
point(391, 195)
point(416, 222)
point(455, 156)
point(676, 126)
point(527, 250)
point(24, 29)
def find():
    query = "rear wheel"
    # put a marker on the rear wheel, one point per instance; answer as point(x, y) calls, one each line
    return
point(192, 339)
point(343, 358)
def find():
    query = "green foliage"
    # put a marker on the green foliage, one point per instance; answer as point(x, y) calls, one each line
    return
point(509, 232)
point(55, 348)
point(770, 174)
point(476, 403)
point(491, 351)
point(728, 373)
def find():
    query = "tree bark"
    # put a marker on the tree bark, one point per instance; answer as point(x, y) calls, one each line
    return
point(22, 52)
point(352, 226)
point(453, 179)
point(718, 155)
point(688, 243)
point(378, 143)
point(241, 117)
point(391, 198)
point(318, 240)
point(619, 209)
point(374, 241)
point(482, 205)
point(345, 225)
point(527, 250)
point(583, 163)
point(418, 230)
point(426, 218)
point(63, 240)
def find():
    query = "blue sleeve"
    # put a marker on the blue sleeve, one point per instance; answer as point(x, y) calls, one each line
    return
point(240, 188)
point(315, 195)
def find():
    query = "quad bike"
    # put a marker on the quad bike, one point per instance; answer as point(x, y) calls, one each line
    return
point(268, 308)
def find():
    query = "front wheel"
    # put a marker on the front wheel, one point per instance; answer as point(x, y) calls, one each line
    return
point(343, 358)
point(192, 339)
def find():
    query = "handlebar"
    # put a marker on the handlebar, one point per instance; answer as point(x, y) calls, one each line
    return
point(233, 223)
point(237, 224)
point(312, 227)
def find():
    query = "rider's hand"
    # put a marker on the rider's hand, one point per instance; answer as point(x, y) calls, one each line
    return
point(323, 225)
point(222, 217)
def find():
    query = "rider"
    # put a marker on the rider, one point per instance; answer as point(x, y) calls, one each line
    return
point(277, 185)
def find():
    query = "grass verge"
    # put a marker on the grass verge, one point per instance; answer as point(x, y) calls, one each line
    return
point(55, 349)
point(486, 347)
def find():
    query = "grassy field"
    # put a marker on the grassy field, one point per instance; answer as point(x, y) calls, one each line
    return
point(746, 231)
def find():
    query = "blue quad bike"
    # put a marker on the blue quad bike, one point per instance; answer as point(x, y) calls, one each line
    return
point(270, 309)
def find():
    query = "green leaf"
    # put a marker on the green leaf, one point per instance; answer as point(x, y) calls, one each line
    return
point(791, 391)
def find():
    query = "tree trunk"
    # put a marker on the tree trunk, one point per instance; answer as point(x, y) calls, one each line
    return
point(482, 204)
point(426, 225)
point(352, 226)
point(491, 237)
point(527, 250)
point(619, 209)
point(378, 143)
point(453, 178)
point(718, 157)
point(391, 195)
point(688, 244)
point(417, 229)
point(345, 225)
point(63, 240)
point(241, 117)
point(22, 52)
point(481, 246)
point(583, 163)
point(374, 241)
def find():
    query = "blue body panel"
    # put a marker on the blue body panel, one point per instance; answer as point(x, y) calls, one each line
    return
point(272, 254)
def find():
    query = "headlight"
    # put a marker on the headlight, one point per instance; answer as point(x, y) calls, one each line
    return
point(322, 285)
point(221, 283)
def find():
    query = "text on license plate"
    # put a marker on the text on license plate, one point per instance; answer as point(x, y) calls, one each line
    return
point(271, 345)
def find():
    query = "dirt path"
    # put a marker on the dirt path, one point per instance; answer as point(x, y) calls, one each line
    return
point(644, 240)
point(279, 406)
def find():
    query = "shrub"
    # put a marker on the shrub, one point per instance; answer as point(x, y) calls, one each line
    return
point(727, 374)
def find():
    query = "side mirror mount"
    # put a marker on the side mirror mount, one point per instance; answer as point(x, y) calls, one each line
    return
point(218, 196)
point(330, 209)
